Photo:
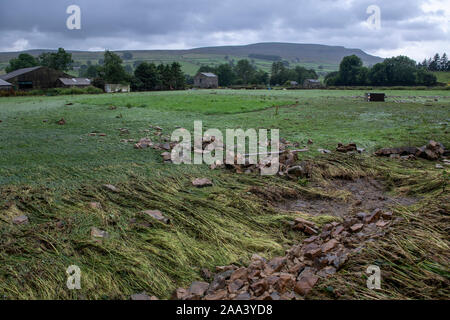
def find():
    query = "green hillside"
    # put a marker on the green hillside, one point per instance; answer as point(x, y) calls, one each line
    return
point(320, 57)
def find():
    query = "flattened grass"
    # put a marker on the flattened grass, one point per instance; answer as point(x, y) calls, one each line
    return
point(51, 172)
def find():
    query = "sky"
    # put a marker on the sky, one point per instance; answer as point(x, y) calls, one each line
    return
point(416, 28)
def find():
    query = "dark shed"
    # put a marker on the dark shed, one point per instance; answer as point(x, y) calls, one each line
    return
point(371, 97)
point(5, 85)
point(34, 78)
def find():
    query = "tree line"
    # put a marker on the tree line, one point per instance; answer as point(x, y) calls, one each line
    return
point(59, 60)
point(244, 73)
point(146, 76)
point(437, 63)
point(396, 71)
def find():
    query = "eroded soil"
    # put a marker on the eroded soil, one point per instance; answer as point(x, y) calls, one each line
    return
point(363, 195)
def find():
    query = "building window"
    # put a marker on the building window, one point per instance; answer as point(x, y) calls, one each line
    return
point(25, 85)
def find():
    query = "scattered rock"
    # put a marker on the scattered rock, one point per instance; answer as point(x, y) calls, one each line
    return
point(98, 234)
point(142, 296)
point(432, 151)
point(95, 205)
point(330, 245)
point(324, 151)
point(387, 215)
point(382, 223)
point(356, 227)
point(305, 283)
point(143, 143)
point(218, 295)
point(206, 274)
point(243, 296)
point(374, 216)
point(22, 219)
point(346, 148)
point(202, 182)
point(259, 287)
point(61, 122)
point(240, 273)
point(167, 156)
point(110, 187)
point(156, 214)
point(198, 288)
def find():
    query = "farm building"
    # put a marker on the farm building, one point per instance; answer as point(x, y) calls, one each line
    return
point(74, 82)
point(312, 84)
point(110, 87)
point(34, 78)
point(5, 85)
point(206, 80)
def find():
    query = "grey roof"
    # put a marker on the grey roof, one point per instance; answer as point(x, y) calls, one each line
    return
point(18, 73)
point(75, 81)
point(313, 80)
point(208, 74)
point(4, 83)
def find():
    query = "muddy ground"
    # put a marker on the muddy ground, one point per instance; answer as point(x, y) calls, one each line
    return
point(364, 195)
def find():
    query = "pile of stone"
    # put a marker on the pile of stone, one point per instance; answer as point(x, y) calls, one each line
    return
point(432, 151)
point(349, 148)
point(294, 275)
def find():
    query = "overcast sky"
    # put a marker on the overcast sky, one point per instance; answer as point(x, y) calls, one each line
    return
point(417, 28)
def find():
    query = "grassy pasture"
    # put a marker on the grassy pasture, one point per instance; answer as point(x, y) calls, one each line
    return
point(50, 172)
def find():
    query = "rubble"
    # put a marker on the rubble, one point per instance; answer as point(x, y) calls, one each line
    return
point(143, 143)
point(95, 205)
point(432, 151)
point(98, 234)
point(22, 219)
point(294, 275)
point(110, 187)
point(156, 214)
point(202, 182)
point(142, 296)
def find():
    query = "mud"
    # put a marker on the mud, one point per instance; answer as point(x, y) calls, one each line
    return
point(364, 195)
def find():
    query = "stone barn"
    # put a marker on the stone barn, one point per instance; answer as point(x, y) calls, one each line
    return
point(34, 78)
point(312, 84)
point(74, 82)
point(206, 80)
point(5, 85)
point(117, 87)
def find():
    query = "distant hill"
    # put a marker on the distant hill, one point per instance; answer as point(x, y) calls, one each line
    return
point(320, 57)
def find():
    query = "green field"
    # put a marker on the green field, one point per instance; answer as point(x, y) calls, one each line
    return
point(442, 76)
point(51, 172)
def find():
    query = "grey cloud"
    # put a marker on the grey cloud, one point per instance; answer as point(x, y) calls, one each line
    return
point(140, 24)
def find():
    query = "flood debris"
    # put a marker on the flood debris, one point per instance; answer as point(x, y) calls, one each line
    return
point(142, 296)
point(110, 187)
point(431, 151)
point(157, 215)
point(202, 182)
point(95, 205)
point(22, 219)
point(143, 143)
point(98, 234)
point(295, 275)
